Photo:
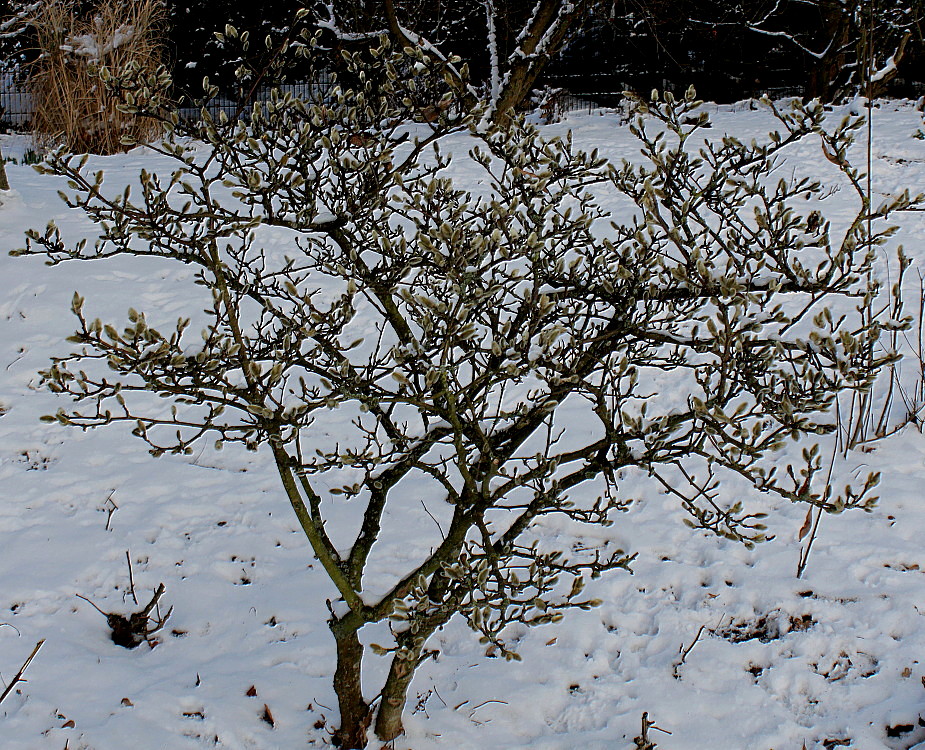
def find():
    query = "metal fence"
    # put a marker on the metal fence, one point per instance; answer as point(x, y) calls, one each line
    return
point(314, 90)
point(16, 106)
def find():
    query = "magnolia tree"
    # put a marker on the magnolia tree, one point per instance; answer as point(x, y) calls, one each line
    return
point(457, 334)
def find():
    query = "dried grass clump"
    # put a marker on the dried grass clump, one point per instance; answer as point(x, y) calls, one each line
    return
point(73, 107)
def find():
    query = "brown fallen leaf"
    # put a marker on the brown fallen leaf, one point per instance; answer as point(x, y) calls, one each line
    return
point(551, 641)
point(267, 716)
point(127, 702)
point(251, 691)
point(69, 724)
point(833, 157)
point(807, 525)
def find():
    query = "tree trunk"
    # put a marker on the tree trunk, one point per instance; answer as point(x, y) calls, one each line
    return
point(539, 42)
point(876, 89)
point(355, 715)
point(4, 182)
point(395, 694)
point(828, 74)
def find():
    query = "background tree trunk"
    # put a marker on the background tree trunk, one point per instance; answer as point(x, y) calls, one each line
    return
point(539, 42)
point(828, 75)
point(4, 182)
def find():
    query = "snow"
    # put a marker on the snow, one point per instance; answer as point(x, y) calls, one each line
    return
point(493, 56)
point(87, 45)
point(888, 69)
point(722, 646)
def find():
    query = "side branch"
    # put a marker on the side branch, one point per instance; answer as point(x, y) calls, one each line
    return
point(321, 544)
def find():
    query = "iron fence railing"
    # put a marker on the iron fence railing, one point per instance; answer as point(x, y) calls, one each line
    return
point(16, 105)
point(233, 106)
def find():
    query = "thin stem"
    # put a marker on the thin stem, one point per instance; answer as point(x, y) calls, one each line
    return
point(18, 677)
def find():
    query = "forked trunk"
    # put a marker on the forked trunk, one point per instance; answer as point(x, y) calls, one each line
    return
point(355, 715)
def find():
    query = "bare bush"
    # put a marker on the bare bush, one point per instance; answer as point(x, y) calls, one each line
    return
point(464, 332)
point(73, 106)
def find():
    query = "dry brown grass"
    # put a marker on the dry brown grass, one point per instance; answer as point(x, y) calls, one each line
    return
point(72, 105)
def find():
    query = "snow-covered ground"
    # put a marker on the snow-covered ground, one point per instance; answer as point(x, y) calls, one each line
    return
point(770, 661)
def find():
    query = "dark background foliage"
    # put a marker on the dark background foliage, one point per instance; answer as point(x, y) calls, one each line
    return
point(729, 49)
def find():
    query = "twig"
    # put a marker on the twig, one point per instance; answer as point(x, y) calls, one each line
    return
point(642, 741)
point(804, 554)
point(22, 669)
point(131, 579)
point(685, 651)
point(105, 614)
point(153, 603)
point(433, 519)
point(22, 353)
point(130, 631)
point(111, 510)
point(485, 703)
point(327, 708)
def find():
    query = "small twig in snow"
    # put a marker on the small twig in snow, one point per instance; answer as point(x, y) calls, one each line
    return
point(22, 353)
point(105, 614)
point(131, 631)
point(685, 651)
point(22, 669)
point(111, 510)
point(642, 741)
point(485, 703)
point(131, 579)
